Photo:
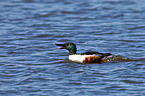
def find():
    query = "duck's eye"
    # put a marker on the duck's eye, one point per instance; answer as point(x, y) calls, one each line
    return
point(68, 44)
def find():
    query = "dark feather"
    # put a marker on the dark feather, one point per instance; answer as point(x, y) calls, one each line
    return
point(102, 55)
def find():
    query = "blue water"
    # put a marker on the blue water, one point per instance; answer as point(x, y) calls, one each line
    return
point(30, 64)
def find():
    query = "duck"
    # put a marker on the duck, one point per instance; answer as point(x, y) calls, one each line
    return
point(86, 57)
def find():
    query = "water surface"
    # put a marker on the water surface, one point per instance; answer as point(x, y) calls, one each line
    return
point(30, 64)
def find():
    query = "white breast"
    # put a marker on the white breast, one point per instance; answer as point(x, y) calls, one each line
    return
point(78, 58)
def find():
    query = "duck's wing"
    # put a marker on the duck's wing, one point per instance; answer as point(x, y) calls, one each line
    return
point(96, 53)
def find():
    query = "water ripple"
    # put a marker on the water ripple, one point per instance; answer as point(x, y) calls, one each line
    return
point(31, 65)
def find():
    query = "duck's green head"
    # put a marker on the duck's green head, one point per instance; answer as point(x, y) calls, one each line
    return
point(71, 47)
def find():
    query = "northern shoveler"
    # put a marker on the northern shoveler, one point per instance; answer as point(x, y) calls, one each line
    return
point(87, 57)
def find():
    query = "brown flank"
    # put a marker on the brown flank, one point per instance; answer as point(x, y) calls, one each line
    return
point(92, 59)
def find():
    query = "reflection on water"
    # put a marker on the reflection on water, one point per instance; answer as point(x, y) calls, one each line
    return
point(31, 65)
